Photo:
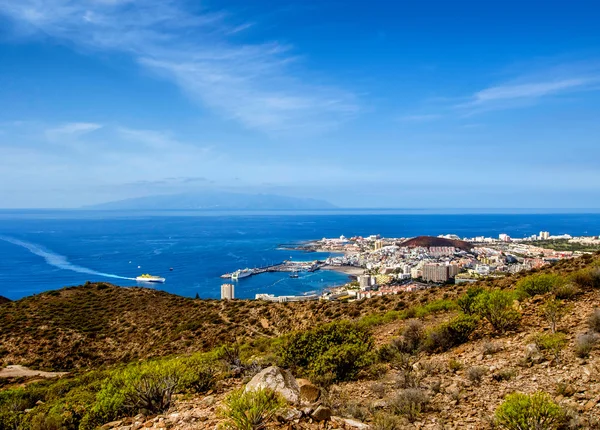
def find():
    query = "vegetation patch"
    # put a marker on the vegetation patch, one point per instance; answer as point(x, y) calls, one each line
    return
point(529, 412)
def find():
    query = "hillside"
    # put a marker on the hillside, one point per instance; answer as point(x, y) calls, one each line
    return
point(429, 241)
point(215, 200)
point(98, 324)
point(442, 358)
point(4, 300)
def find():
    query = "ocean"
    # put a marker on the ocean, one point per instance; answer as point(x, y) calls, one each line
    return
point(43, 250)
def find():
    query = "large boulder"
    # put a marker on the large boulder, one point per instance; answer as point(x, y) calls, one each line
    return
point(276, 379)
point(308, 391)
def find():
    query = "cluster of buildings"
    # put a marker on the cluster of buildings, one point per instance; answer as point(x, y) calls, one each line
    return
point(389, 266)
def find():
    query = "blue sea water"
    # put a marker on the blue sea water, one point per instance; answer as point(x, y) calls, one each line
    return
point(42, 250)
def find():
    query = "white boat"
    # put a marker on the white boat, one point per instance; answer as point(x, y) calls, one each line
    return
point(150, 278)
point(239, 274)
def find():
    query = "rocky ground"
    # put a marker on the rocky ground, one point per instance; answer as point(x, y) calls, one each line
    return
point(465, 385)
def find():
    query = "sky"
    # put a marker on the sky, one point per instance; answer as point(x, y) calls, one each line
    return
point(403, 104)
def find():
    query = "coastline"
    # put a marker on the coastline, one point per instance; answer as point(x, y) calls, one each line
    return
point(348, 270)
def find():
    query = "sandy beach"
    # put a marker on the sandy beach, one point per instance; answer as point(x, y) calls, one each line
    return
point(348, 270)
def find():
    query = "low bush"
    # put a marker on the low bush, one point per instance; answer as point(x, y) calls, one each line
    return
point(412, 337)
point(529, 412)
point(539, 283)
point(476, 374)
point(340, 349)
point(454, 365)
point(554, 310)
point(410, 402)
point(594, 321)
point(505, 374)
point(466, 302)
point(450, 334)
point(250, 410)
point(496, 307)
point(584, 344)
point(386, 421)
point(491, 348)
point(587, 278)
point(566, 291)
point(552, 343)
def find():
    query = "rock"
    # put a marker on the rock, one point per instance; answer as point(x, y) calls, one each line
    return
point(308, 391)
point(307, 410)
point(290, 414)
point(322, 413)
point(112, 424)
point(590, 405)
point(355, 424)
point(209, 400)
point(533, 354)
point(279, 380)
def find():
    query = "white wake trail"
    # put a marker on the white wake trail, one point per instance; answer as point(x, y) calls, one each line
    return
point(58, 260)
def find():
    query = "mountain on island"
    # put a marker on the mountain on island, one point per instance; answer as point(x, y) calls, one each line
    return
point(4, 300)
point(215, 200)
point(430, 241)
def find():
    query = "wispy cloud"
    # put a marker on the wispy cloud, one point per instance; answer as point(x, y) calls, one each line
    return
point(259, 85)
point(420, 118)
point(531, 89)
point(70, 130)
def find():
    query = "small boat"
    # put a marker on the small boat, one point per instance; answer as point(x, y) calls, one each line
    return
point(294, 274)
point(150, 278)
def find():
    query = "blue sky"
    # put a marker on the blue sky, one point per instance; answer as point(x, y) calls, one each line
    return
point(366, 104)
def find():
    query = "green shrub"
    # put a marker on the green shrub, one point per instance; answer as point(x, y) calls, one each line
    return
point(450, 334)
point(386, 421)
point(587, 278)
point(466, 302)
point(539, 283)
point(529, 412)
point(554, 310)
point(550, 342)
point(250, 410)
point(496, 307)
point(340, 349)
point(434, 307)
point(505, 374)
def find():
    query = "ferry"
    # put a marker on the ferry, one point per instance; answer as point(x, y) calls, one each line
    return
point(239, 274)
point(150, 278)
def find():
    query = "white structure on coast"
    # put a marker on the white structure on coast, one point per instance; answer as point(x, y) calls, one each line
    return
point(281, 299)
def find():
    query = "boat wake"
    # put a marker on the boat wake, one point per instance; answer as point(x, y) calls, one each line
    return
point(58, 260)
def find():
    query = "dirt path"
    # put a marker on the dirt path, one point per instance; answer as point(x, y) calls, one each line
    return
point(16, 371)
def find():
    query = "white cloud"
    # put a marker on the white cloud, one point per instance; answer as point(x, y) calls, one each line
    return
point(259, 85)
point(531, 89)
point(71, 130)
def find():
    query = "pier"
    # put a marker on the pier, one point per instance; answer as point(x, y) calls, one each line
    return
point(285, 266)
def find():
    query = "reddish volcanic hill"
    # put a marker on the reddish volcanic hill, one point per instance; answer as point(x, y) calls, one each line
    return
point(429, 241)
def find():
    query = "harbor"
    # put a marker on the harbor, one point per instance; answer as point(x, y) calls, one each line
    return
point(285, 266)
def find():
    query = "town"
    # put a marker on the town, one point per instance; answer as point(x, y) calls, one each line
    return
point(382, 266)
